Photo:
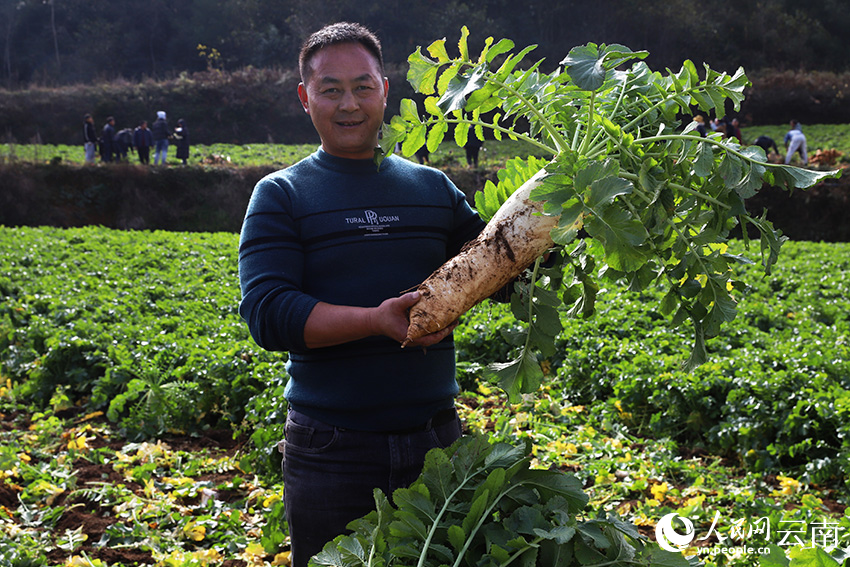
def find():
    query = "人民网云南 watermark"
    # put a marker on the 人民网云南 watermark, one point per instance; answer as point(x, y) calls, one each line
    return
point(745, 536)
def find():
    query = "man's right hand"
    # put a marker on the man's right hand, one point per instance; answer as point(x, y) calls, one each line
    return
point(393, 320)
point(330, 325)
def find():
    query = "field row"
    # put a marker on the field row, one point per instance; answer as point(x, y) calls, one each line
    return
point(820, 136)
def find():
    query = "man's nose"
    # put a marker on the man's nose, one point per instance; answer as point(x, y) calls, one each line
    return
point(348, 101)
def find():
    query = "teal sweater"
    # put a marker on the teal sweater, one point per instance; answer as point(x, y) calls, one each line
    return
point(340, 231)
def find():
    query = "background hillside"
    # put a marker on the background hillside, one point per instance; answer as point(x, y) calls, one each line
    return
point(228, 68)
point(251, 105)
point(72, 41)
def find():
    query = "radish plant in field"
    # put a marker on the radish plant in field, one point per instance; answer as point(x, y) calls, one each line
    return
point(480, 503)
point(655, 201)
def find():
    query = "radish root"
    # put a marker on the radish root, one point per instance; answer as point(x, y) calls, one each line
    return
point(514, 238)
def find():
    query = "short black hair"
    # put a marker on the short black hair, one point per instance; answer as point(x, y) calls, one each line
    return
point(335, 34)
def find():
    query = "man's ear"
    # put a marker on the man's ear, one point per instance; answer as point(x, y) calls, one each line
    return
point(386, 90)
point(302, 95)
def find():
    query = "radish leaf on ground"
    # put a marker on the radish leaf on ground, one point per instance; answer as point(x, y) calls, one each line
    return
point(480, 503)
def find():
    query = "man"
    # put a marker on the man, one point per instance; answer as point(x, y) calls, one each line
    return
point(733, 130)
point(181, 137)
point(142, 141)
point(89, 138)
point(161, 132)
point(766, 143)
point(472, 147)
point(700, 122)
point(326, 249)
point(795, 141)
point(107, 140)
point(123, 143)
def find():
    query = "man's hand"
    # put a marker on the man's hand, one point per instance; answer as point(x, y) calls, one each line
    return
point(390, 318)
point(330, 325)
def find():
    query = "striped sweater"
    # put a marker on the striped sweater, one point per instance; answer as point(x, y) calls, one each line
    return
point(341, 231)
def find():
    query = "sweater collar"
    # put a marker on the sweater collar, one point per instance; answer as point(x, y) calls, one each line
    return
point(345, 165)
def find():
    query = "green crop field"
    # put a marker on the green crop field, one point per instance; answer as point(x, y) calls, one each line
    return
point(138, 419)
point(494, 153)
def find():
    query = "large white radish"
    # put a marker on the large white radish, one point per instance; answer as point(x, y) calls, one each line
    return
point(514, 238)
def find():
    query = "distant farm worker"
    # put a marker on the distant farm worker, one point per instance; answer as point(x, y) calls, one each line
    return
point(142, 141)
point(733, 130)
point(795, 141)
point(327, 247)
point(161, 133)
point(107, 140)
point(766, 143)
point(181, 140)
point(700, 125)
point(472, 147)
point(89, 138)
point(123, 143)
point(423, 155)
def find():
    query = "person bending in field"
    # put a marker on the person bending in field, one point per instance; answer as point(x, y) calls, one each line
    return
point(767, 144)
point(795, 141)
point(326, 248)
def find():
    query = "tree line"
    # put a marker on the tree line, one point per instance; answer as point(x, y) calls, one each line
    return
point(59, 42)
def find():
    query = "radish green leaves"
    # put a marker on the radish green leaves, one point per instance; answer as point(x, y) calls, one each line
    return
point(478, 503)
point(657, 201)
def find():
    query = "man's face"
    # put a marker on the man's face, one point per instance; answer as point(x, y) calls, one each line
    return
point(345, 96)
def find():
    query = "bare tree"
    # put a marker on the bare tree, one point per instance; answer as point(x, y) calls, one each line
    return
point(10, 8)
point(52, 4)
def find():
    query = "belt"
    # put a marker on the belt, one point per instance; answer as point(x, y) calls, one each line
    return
point(442, 417)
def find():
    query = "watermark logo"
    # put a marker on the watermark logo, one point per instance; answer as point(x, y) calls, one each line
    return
point(744, 536)
point(667, 536)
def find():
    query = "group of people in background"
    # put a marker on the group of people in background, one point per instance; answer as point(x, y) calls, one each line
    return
point(472, 148)
point(115, 145)
point(795, 140)
point(729, 127)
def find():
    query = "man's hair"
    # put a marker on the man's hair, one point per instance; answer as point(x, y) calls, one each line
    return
point(335, 34)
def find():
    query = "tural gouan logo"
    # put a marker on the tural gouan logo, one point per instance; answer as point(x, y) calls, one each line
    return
point(373, 224)
point(668, 538)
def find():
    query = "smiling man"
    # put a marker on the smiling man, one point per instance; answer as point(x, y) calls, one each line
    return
point(328, 247)
point(345, 93)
